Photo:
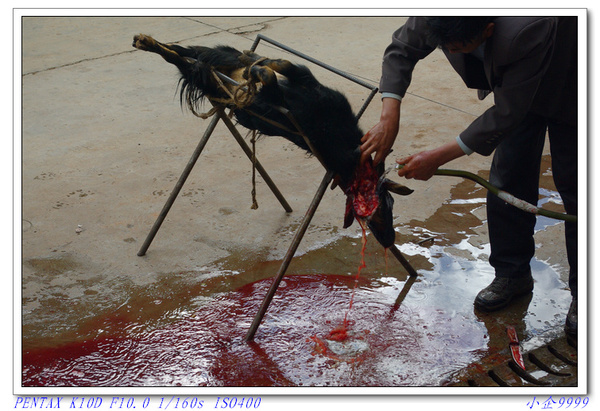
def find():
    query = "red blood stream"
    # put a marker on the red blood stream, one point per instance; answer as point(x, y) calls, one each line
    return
point(362, 203)
point(340, 333)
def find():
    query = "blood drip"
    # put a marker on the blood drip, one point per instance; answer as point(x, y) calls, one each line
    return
point(340, 333)
point(362, 201)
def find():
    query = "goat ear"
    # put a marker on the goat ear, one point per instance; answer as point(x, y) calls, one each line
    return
point(349, 214)
point(335, 182)
point(396, 188)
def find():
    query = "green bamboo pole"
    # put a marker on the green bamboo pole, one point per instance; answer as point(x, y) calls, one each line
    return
point(509, 198)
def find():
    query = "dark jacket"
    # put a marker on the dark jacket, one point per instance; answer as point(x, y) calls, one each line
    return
point(530, 63)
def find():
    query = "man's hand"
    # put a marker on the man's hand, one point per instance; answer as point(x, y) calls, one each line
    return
point(381, 137)
point(378, 140)
point(422, 166)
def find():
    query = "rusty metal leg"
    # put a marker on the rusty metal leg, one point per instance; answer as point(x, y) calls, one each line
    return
point(409, 282)
point(289, 255)
point(236, 134)
point(403, 260)
point(178, 186)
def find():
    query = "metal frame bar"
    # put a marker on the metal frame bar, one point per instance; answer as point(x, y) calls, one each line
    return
point(184, 175)
point(312, 208)
point(319, 63)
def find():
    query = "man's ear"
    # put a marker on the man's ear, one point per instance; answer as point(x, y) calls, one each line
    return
point(488, 31)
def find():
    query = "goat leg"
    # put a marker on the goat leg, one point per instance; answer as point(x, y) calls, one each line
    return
point(166, 51)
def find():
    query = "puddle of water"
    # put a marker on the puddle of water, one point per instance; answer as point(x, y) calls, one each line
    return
point(402, 331)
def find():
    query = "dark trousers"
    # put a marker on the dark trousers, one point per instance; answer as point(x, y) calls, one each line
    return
point(516, 170)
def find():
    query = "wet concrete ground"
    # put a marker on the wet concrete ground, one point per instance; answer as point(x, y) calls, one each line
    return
point(405, 331)
point(104, 141)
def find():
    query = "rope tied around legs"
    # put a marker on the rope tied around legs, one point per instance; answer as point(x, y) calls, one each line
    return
point(253, 142)
point(240, 95)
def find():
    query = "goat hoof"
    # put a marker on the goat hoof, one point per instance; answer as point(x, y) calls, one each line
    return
point(143, 42)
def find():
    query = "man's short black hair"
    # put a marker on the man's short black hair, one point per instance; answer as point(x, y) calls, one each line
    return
point(445, 30)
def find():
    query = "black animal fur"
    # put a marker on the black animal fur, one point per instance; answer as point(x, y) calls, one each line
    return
point(323, 114)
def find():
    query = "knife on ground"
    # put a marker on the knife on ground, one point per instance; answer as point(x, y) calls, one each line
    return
point(515, 347)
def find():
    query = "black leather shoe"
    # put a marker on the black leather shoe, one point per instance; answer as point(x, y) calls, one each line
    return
point(571, 322)
point(501, 291)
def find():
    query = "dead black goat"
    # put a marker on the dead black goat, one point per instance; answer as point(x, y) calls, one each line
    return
point(314, 117)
